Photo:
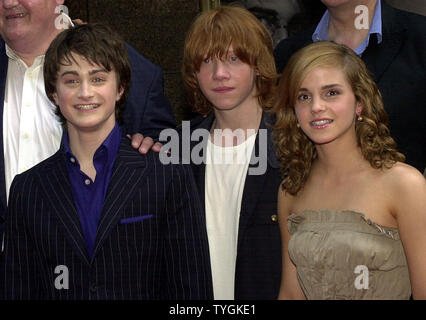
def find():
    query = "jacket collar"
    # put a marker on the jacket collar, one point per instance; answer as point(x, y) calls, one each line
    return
point(265, 123)
point(129, 169)
point(3, 73)
point(378, 57)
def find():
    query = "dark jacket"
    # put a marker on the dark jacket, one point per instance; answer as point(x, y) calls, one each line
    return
point(147, 110)
point(151, 241)
point(258, 265)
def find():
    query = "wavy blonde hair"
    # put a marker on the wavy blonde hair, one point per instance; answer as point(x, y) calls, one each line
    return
point(295, 150)
point(211, 35)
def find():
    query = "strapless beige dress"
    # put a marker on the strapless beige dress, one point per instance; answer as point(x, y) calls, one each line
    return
point(343, 255)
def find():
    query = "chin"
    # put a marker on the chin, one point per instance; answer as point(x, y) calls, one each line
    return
point(334, 3)
point(225, 107)
point(14, 34)
point(85, 125)
point(320, 140)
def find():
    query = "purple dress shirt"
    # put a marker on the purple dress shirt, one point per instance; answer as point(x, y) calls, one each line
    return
point(89, 195)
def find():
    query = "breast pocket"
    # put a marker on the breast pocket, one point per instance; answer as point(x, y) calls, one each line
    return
point(135, 219)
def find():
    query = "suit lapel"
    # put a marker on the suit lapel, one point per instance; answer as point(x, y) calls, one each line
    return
point(3, 74)
point(200, 179)
point(126, 175)
point(378, 57)
point(129, 169)
point(253, 186)
point(199, 170)
point(55, 184)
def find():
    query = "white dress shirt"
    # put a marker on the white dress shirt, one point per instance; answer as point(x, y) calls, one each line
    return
point(31, 130)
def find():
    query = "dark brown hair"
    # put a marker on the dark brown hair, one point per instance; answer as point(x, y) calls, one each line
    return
point(98, 44)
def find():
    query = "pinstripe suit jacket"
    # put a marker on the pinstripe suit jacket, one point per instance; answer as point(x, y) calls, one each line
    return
point(147, 109)
point(151, 241)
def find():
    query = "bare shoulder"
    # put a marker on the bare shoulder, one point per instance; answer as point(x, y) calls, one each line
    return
point(406, 189)
point(402, 176)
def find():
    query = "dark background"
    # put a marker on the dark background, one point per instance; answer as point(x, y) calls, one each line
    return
point(156, 28)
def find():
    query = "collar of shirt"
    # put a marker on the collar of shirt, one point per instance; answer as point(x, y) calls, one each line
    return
point(321, 31)
point(89, 196)
point(38, 61)
point(104, 155)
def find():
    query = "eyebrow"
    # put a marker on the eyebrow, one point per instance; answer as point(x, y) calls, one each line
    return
point(205, 56)
point(328, 86)
point(91, 72)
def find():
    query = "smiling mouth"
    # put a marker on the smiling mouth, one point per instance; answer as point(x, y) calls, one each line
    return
point(86, 106)
point(321, 123)
point(15, 16)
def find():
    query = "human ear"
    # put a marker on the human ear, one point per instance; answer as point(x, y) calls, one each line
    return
point(358, 109)
point(55, 97)
point(119, 94)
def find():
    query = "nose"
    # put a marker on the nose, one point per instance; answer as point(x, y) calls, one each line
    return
point(7, 4)
point(317, 105)
point(85, 91)
point(220, 70)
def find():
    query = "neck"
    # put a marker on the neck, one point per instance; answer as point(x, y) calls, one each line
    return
point(339, 158)
point(342, 29)
point(239, 118)
point(28, 51)
point(233, 127)
point(84, 145)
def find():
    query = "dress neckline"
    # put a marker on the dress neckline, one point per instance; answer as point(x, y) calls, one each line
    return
point(321, 211)
point(391, 232)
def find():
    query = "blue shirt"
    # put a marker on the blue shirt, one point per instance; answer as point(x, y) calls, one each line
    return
point(321, 32)
point(89, 196)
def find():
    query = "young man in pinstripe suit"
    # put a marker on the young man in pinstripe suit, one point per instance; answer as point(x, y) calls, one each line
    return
point(97, 220)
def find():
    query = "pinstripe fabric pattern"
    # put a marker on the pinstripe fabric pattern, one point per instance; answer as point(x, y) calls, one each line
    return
point(151, 241)
point(147, 109)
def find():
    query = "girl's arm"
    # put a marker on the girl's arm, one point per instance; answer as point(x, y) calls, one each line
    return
point(290, 288)
point(409, 205)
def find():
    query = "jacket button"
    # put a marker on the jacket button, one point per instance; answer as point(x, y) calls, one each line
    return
point(274, 218)
point(93, 288)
